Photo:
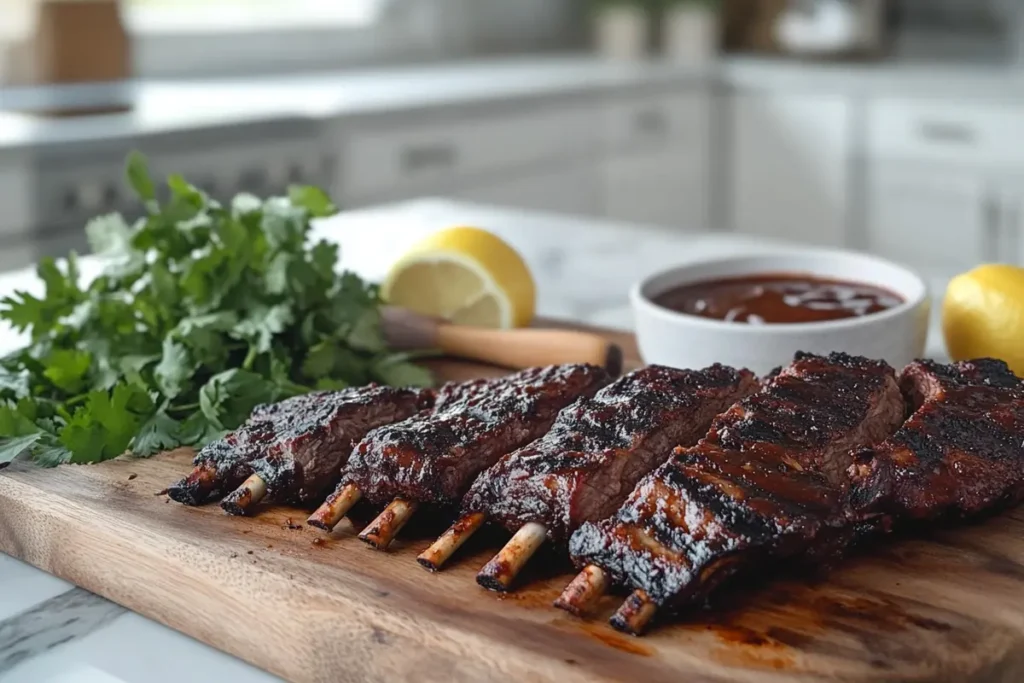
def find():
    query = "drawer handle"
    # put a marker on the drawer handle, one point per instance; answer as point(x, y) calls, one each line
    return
point(650, 122)
point(429, 156)
point(947, 132)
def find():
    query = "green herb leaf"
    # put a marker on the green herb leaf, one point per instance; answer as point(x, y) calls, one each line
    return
point(158, 434)
point(14, 423)
point(201, 312)
point(49, 452)
point(313, 200)
point(137, 173)
point(197, 431)
point(67, 369)
point(109, 235)
point(400, 372)
point(107, 422)
point(174, 369)
point(12, 448)
point(229, 397)
point(262, 324)
point(13, 385)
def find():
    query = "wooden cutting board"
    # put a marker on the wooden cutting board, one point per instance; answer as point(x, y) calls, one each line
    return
point(948, 606)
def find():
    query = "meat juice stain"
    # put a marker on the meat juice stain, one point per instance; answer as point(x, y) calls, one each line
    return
point(611, 638)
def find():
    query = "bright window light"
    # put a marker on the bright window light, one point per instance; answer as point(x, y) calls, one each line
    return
point(241, 15)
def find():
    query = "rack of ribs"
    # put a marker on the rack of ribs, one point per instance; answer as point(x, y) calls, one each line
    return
point(582, 470)
point(960, 452)
point(293, 450)
point(433, 458)
point(766, 483)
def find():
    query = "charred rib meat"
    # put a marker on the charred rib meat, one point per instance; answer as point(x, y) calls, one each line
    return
point(600, 447)
point(433, 458)
point(298, 445)
point(312, 446)
point(960, 452)
point(766, 482)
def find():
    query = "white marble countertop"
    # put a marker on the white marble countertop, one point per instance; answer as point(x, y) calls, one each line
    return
point(51, 632)
point(170, 106)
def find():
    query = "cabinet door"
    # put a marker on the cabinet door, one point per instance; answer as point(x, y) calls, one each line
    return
point(790, 165)
point(569, 190)
point(937, 221)
point(668, 189)
point(16, 193)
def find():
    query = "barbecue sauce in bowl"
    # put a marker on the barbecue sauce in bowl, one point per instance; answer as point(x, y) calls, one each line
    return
point(769, 298)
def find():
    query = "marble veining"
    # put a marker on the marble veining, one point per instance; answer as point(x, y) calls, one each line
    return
point(52, 623)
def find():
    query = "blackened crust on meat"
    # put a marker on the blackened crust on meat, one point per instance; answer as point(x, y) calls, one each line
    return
point(811, 403)
point(306, 426)
point(961, 452)
point(600, 447)
point(761, 486)
point(225, 463)
point(313, 444)
point(433, 458)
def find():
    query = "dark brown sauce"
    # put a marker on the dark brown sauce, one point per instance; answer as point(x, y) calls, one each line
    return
point(768, 298)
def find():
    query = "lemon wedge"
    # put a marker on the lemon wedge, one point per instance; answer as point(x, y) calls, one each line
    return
point(465, 275)
point(983, 315)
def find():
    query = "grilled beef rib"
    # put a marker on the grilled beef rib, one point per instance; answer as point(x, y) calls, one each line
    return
point(961, 451)
point(434, 457)
point(297, 446)
point(766, 482)
point(600, 447)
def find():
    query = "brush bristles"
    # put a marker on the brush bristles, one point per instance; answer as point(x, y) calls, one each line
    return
point(405, 330)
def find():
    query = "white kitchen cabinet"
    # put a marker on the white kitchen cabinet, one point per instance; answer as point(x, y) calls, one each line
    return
point(790, 164)
point(666, 189)
point(1009, 237)
point(414, 156)
point(571, 190)
point(657, 159)
point(937, 220)
point(962, 132)
point(16, 195)
point(945, 188)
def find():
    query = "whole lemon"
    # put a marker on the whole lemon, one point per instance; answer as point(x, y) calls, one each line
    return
point(983, 315)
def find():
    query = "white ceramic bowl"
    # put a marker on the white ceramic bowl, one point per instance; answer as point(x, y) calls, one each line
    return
point(897, 335)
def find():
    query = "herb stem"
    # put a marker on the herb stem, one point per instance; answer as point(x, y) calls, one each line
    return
point(250, 358)
point(183, 409)
point(76, 400)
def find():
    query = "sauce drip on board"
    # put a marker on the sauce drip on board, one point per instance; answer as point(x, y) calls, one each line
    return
point(768, 298)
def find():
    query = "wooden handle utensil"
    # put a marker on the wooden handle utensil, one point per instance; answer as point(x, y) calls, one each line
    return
point(518, 349)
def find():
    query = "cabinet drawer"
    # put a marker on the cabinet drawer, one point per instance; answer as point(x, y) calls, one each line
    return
point(945, 132)
point(384, 160)
point(656, 120)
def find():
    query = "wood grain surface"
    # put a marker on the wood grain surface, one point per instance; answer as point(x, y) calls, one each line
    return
point(946, 605)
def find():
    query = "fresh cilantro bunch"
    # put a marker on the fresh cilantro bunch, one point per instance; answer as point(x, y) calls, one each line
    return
point(201, 312)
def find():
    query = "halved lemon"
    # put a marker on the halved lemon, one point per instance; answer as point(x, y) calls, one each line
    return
point(466, 275)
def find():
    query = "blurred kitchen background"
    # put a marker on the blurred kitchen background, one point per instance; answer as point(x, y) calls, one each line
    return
point(894, 126)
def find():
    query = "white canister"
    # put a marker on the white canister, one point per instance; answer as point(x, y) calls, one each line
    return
point(690, 33)
point(621, 32)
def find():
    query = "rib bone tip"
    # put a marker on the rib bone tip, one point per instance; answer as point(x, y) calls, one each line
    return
point(385, 527)
point(441, 550)
point(635, 614)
